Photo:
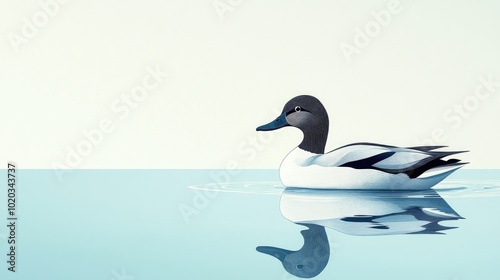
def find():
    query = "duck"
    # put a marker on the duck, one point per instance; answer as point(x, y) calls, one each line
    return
point(360, 165)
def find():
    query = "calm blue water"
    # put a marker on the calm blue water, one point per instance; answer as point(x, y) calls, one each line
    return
point(180, 224)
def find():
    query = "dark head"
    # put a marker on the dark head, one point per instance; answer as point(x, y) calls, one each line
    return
point(306, 113)
point(310, 260)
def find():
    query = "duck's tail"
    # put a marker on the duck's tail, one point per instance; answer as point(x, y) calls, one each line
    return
point(444, 169)
point(438, 166)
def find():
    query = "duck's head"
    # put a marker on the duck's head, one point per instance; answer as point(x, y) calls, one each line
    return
point(310, 260)
point(306, 113)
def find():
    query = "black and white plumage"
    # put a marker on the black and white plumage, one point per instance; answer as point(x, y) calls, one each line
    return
point(354, 166)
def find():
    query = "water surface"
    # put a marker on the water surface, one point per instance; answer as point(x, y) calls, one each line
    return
point(181, 224)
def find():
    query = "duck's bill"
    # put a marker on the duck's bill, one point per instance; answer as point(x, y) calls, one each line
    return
point(278, 253)
point(277, 123)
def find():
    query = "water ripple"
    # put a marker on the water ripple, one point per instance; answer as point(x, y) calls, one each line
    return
point(446, 189)
point(255, 187)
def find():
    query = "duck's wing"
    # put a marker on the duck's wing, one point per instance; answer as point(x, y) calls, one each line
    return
point(426, 148)
point(413, 161)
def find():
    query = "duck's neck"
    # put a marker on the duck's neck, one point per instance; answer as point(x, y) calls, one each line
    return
point(316, 243)
point(315, 138)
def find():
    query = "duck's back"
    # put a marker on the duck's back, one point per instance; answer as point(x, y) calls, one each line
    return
point(367, 166)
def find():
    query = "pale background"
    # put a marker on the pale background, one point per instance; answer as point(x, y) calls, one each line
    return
point(228, 75)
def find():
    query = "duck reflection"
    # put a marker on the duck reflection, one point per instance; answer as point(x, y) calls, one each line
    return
point(310, 260)
point(363, 213)
point(369, 212)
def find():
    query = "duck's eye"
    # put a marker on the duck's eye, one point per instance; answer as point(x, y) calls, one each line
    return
point(299, 266)
point(298, 109)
